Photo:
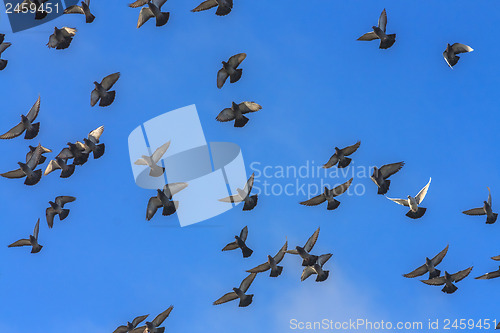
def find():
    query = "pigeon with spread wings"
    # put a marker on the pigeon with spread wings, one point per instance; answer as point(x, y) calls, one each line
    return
point(91, 143)
point(130, 325)
point(245, 300)
point(152, 161)
point(57, 208)
point(448, 280)
point(101, 91)
point(429, 266)
point(223, 6)
point(28, 169)
point(26, 124)
point(153, 326)
point(386, 41)
point(415, 211)
point(240, 242)
point(163, 199)
point(307, 259)
point(60, 164)
point(61, 38)
point(3, 47)
point(272, 263)
point(153, 10)
point(244, 196)
point(450, 54)
point(230, 69)
point(485, 210)
point(317, 268)
point(340, 156)
point(83, 9)
point(329, 195)
point(42, 158)
point(380, 176)
point(236, 112)
point(32, 241)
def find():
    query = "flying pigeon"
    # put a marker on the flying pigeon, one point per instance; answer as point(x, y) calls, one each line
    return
point(415, 211)
point(380, 176)
point(101, 91)
point(245, 300)
point(340, 156)
point(450, 54)
point(130, 325)
point(317, 268)
point(26, 124)
point(240, 243)
point(244, 196)
point(28, 170)
point(83, 9)
point(448, 280)
point(164, 199)
point(57, 208)
point(32, 241)
point(386, 41)
point(3, 47)
point(60, 163)
point(33, 5)
point(236, 112)
point(230, 69)
point(76, 152)
point(329, 195)
point(152, 327)
point(42, 158)
point(429, 266)
point(61, 38)
point(224, 6)
point(307, 259)
point(153, 10)
point(272, 263)
point(91, 143)
point(152, 161)
point(485, 210)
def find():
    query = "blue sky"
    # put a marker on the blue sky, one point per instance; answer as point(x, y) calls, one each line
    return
point(319, 88)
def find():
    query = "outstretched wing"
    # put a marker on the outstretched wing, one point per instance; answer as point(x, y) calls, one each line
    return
point(311, 241)
point(440, 256)
point(438, 281)
point(369, 36)
point(162, 316)
point(490, 275)
point(21, 242)
point(226, 115)
point(14, 174)
point(307, 272)
point(37, 229)
point(459, 276)
point(402, 202)
point(245, 284)
point(75, 9)
point(423, 192)
point(64, 199)
point(475, 211)
point(351, 149)
point(418, 272)
point(222, 76)
point(236, 60)
point(33, 113)
point(160, 151)
point(249, 184)
point(382, 20)
point(108, 82)
point(96, 134)
point(458, 48)
point(244, 234)
point(281, 253)
point(232, 198)
point(489, 197)
point(14, 132)
point(342, 188)
point(319, 199)
point(246, 107)
point(205, 5)
point(389, 169)
point(226, 298)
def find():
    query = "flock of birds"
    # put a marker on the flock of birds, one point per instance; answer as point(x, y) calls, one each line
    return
point(79, 153)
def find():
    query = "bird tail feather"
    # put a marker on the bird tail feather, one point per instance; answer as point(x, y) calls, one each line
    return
point(236, 75)
point(68, 171)
point(240, 122)
point(64, 214)
point(385, 187)
point(344, 162)
point(492, 219)
point(449, 289)
point(107, 98)
point(99, 151)
point(32, 132)
point(418, 214)
point(34, 179)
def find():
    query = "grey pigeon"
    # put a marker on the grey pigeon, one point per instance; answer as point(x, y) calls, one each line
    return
point(386, 41)
point(153, 326)
point(3, 47)
point(101, 91)
point(329, 195)
point(224, 6)
point(244, 195)
point(32, 241)
point(429, 266)
point(57, 208)
point(130, 325)
point(230, 69)
point(91, 143)
point(415, 211)
point(450, 54)
point(153, 10)
point(33, 5)
point(236, 112)
point(448, 280)
point(490, 275)
point(61, 38)
point(317, 268)
point(83, 9)
point(152, 161)
point(272, 263)
point(380, 176)
point(26, 124)
point(485, 210)
point(240, 242)
point(28, 170)
point(245, 300)
point(340, 156)
point(163, 199)
point(77, 152)
point(42, 158)
point(60, 164)
point(307, 259)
